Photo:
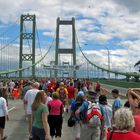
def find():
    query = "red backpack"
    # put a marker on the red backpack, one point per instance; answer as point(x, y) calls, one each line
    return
point(94, 115)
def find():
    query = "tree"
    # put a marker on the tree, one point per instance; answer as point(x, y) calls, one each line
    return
point(137, 65)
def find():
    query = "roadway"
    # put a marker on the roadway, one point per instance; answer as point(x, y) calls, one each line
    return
point(16, 127)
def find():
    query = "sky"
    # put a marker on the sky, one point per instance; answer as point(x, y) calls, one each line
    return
point(102, 27)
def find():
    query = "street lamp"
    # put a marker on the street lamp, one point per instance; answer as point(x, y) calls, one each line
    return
point(108, 52)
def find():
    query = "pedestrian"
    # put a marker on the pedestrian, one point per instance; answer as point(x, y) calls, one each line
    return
point(3, 116)
point(89, 130)
point(28, 100)
point(55, 118)
point(117, 104)
point(63, 94)
point(12, 85)
point(40, 127)
point(98, 88)
point(75, 105)
point(107, 114)
point(71, 93)
point(134, 101)
point(124, 123)
point(15, 92)
point(48, 98)
point(5, 91)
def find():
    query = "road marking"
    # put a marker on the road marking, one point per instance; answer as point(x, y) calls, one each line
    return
point(11, 109)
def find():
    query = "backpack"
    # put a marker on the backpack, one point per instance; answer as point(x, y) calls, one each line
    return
point(71, 121)
point(94, 115)
point(62, 94)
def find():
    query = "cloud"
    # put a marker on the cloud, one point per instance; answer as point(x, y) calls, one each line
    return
point(132, 6)
point(113, 23)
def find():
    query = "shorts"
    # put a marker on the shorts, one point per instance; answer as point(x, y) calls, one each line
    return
point(2, 122)
point(38, 133)
point(88, 133)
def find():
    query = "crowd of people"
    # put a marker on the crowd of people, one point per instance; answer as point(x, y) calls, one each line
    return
point(46, 102)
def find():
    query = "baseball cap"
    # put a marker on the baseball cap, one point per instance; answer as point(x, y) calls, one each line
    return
point(81, 94)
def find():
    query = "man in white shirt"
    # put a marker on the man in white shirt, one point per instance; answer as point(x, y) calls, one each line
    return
point(29, 98)
point(12, 85)
point(3, 116)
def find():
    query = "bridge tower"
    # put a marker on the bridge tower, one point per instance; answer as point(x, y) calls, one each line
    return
point(65, 50)
point(24, 36)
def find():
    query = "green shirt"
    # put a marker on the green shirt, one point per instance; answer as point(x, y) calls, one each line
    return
point(38, 116)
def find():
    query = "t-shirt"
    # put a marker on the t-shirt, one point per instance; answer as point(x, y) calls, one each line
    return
point(71, 91)
point(3, 107)
point(117, 104)
point(123, 136)
point(55, 107)
point(107, 113)
point(29, 98)
point(74, 106)
point(38, 116)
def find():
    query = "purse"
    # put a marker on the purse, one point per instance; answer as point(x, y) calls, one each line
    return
point(71, 121)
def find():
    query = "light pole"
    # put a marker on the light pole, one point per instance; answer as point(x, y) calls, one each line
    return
point(108, 52)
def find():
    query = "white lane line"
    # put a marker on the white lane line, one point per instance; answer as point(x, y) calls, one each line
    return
point(11, 109)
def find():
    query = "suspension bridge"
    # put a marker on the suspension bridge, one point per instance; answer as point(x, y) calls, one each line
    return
point(23, 55)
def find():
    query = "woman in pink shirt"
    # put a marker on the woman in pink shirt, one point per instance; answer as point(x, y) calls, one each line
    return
point(134, 101)
point(55, 118)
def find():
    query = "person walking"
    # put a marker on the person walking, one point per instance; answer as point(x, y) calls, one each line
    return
point(3, 116)
point(134, 101)
point(74, 106)
point(117, 104)
point(63, 94)
point(28, 99)
point(89, 129)
point(124, 123)
point(55, 118)
point(40, 127)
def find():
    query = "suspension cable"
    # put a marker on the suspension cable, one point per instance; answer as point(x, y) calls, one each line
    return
point(8, 44)
point(115, 72)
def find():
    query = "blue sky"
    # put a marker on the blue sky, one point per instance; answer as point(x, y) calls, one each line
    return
point(100, 25)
